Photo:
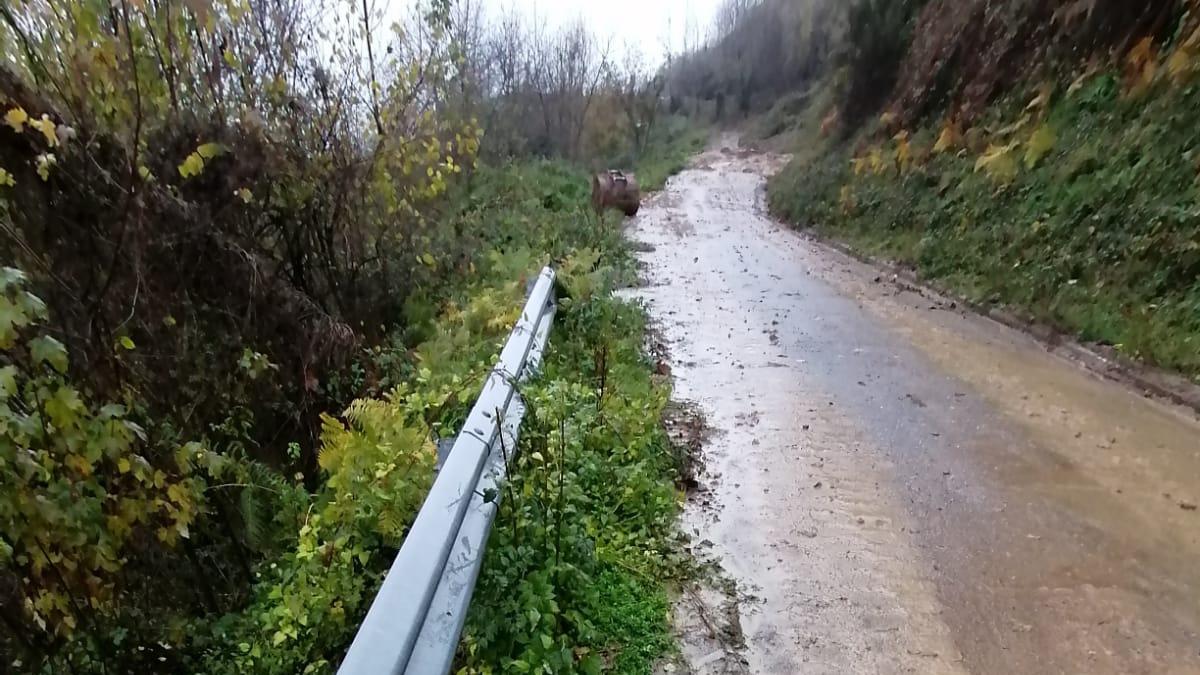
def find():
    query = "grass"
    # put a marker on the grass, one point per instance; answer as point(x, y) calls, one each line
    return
point(635, 615)
point(668, 153)
point(584, 548)
point(1100, 237)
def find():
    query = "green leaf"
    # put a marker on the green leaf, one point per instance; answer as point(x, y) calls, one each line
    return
point(64, 407)
point(12, 318)
point(110, 411)
point(126, 343)
point(8, 382)
point(32, 304)
point(48, 350)
point(591, 664)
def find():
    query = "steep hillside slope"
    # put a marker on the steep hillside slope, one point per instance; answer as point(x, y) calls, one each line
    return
point(1037, 154)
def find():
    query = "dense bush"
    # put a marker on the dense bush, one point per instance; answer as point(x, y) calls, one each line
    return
point(258, 230)
point(217, 225)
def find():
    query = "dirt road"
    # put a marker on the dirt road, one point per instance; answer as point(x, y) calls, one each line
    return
point(898, 486)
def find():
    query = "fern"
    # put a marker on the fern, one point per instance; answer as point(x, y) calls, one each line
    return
point(255, 526)
point(263, 505)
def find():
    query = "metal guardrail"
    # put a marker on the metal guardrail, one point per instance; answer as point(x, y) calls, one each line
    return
point(415, 621)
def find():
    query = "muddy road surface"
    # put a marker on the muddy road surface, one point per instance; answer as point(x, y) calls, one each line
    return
point(897, 485)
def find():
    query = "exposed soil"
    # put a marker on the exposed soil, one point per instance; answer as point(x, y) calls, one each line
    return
point(965, 52)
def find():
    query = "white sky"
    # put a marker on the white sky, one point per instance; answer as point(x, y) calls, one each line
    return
point(648, 25)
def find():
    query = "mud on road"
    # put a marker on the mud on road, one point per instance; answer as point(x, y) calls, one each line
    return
point(896, 485)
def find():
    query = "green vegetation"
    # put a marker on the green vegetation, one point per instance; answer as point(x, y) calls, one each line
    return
point(587, 522)
point(1041, 160)
point(584, 543)
point(586, 519)
point(669, 153)
point(255, 259)
point(1085, 215)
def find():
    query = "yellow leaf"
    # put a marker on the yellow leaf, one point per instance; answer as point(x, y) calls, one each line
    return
point(210, 150)
point(998, 162)
point(1045, 91)
point(887, 119)
point(16, 118)
point(176, 494)
point(45, 162)
point(48, 128)
point(1142, 52)
point(1015, 126)
point(903, 150)
point(6, 178)
point(1142, 66)
point(1040, 144)
point(950, 137)
point(1180, 66)
point(117, 526)
point(192, 166)
point(875, 157)
point(1149, 72)
point(123, 465)
point(81, 465)
point(847, 200)
point(245, 195)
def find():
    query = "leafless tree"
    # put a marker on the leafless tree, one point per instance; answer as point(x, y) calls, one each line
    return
point(758, 50)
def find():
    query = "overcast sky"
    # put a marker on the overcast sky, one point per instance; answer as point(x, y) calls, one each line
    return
point(648, 25)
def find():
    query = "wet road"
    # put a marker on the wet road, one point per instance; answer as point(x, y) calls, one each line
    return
point(897, 486)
